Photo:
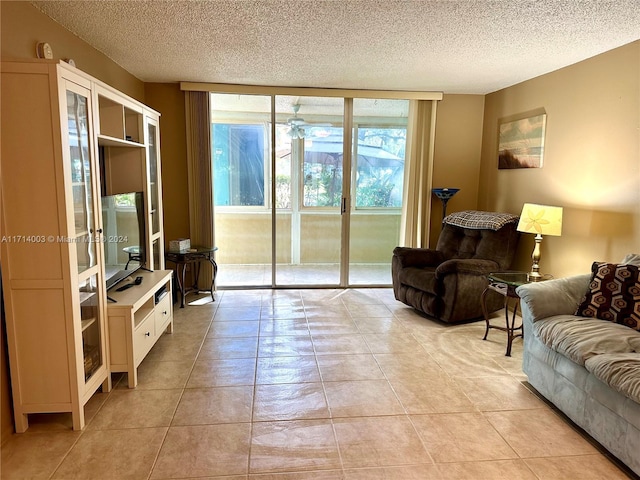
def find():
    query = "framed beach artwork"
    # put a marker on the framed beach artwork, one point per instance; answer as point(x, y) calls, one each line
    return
point(521, 142)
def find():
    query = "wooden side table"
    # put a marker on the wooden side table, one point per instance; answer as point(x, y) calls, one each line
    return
point(505, 283)
point(193, 256)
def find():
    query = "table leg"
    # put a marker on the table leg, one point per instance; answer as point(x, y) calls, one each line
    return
point(196, 273)
point(483, 302)
point(213, 280)
point(180, 277)
point(510, 325)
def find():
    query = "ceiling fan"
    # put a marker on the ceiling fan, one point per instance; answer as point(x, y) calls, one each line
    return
point(296, 123)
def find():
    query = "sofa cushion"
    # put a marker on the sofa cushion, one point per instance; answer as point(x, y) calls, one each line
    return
point(559, 296)
point(621, 371)
point(613, 294)
point(580, 338)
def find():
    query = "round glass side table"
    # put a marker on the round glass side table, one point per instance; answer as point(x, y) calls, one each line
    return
point(505, 283)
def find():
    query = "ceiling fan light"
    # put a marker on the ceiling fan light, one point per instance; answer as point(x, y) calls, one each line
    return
point(296, 132)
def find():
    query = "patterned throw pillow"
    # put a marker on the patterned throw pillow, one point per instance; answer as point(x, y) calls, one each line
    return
point(613, 295)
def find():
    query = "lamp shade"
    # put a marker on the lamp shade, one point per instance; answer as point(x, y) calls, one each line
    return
point(541, 219)
point(445, 193)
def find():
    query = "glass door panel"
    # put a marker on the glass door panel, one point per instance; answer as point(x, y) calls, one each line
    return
point(90, 324)
point(377, 179)
point(309, 184)
point(241, 151)
point(155, 255)
point(81, 178)
point(153, 178)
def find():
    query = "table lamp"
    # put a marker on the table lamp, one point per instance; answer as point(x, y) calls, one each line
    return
point(541, 220)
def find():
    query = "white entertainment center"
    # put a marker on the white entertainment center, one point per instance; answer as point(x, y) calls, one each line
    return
point(67, 140)
point(137, 319)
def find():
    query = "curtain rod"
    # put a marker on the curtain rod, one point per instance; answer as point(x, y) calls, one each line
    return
point(308, 91)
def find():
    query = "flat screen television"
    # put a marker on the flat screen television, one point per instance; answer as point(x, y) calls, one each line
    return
point(123, 229)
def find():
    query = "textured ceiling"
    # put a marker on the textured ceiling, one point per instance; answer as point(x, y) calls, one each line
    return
point(469, 46)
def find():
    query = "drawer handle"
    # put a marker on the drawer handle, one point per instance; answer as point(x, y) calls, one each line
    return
point(148, 334)
point(164, 313)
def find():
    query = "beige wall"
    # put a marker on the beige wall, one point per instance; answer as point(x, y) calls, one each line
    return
point(23, 26)
point(457, 154)
point(245, 238)
point(373, 236)
point(591, 160)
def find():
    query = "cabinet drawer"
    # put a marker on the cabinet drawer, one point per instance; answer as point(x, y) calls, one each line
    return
point(163, 314)
point(144, 336)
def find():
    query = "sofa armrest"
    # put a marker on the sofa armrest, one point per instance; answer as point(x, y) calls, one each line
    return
point(560, 296)
point(418, 257)
point(468, 266)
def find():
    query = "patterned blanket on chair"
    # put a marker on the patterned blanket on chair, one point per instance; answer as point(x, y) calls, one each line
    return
point(480, 220)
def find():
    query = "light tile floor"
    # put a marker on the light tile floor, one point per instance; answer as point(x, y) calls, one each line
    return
point(314, 384)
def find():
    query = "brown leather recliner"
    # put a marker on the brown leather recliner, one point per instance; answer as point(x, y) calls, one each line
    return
point(446, 283)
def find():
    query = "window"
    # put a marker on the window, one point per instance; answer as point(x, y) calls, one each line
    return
point(239, 164)
point(322, 167)
point(379, 157)
point(242, 162)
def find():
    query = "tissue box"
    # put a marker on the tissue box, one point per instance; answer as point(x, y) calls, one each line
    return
point(179, 245)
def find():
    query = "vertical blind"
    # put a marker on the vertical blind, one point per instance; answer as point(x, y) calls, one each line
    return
point(200, 176)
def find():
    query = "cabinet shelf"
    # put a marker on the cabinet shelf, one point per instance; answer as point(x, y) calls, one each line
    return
point(87, 322)
point(107, 141)
point(86, 296)
point(119, 125)
point(142, 314)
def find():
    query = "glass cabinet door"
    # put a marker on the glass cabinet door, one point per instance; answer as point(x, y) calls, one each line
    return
point(84, 229)
point(81, 179)
point(155, 254)
point(154, 190)
point(153, 178)
point(90, 324)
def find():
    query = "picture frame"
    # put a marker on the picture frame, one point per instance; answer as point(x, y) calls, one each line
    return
point(521, 142)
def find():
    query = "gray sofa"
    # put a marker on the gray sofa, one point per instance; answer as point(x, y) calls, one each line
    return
point(587, 367)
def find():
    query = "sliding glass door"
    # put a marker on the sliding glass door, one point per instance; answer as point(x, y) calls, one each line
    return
point(240, 150)
point(378, 160)
point(298, 204)
point(309, 166)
